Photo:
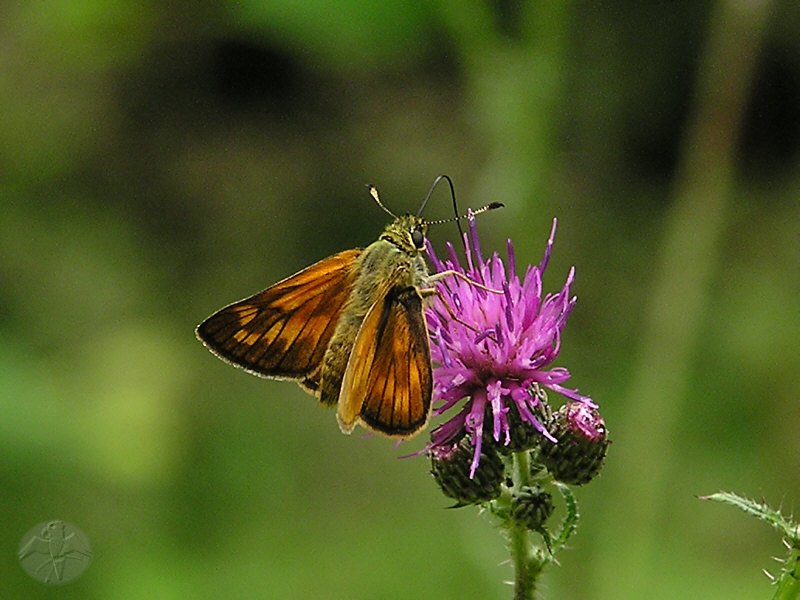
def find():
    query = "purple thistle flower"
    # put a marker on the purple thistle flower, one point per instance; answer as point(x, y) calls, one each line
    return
point(509, 345)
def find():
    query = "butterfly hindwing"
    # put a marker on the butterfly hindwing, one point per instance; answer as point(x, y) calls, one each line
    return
point(283, 331)
point(388, 382)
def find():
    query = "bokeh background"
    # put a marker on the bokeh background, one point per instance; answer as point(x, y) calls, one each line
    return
point(159, 160)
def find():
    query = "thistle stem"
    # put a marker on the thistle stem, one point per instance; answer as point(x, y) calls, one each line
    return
point(789, 582)
point(522, 465)
point(528, 564)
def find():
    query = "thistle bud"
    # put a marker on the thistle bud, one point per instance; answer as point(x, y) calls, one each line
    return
point(450, 467)
point(582, 444)
point(531, 507)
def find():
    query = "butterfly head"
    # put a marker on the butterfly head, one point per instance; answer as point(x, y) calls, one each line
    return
point(407, 233)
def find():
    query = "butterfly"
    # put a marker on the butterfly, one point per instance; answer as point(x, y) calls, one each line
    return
point(350, 329)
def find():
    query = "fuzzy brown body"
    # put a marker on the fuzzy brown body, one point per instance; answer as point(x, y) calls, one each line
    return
point(387, 262)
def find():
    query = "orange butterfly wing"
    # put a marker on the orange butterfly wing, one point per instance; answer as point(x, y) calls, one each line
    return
point(388, 382)
point(283, 331)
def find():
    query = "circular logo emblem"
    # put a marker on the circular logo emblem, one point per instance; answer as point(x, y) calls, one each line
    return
point(54, 552)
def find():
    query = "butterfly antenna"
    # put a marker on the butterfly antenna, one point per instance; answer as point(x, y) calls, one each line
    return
point(477, 211)
point(490, 206)
point(373, 191)
point(452, 195)
point(433, 187)
point(457, 218)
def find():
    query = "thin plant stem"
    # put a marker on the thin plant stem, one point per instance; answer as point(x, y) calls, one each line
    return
point(520, 544)
point(528, 564)
point(789, 582)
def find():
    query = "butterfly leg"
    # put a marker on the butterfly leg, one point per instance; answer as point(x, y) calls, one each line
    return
point(427, 292)
point(442, 274)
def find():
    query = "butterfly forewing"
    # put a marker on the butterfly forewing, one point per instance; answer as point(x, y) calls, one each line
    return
point(388, 383)
point(283, 331)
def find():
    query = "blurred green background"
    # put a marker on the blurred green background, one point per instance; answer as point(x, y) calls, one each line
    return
point(159, 160)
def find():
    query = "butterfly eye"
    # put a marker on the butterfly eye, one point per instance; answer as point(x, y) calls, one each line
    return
point(418, 238)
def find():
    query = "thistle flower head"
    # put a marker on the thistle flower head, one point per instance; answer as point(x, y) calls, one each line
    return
point(497, 348)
